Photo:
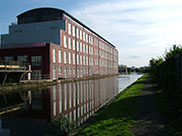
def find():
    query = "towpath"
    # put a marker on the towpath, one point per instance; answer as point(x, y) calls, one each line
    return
point(148, 120)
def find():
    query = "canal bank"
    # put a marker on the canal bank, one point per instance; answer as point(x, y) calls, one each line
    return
point(77, 101)
point(118, 116)
point(32, 84)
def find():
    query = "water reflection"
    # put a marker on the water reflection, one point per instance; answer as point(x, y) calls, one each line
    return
point(126, 80)
point(76, 100)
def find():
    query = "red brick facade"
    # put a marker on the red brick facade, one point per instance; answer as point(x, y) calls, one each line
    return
point(84, 54)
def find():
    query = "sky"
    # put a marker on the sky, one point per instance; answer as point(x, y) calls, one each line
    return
point(140, 29)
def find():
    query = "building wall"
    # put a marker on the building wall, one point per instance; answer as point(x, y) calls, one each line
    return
point(34, 32)
point(30, 52)
point(83, 53)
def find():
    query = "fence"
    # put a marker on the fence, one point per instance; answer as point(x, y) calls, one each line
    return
point(168, 75)
point(37, 77)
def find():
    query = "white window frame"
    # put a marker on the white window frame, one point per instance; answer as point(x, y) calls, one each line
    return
point(65, 41)
point(60, 56)
point(65, 57)
point(73, 44)
point(69, 28)
point(69, 57)
point(69, 40)
point(73, 32)
point(54, 55)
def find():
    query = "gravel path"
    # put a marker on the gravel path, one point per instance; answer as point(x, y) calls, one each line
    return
point(148, 120)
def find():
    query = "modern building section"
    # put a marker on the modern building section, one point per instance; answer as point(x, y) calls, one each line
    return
point(57, 45)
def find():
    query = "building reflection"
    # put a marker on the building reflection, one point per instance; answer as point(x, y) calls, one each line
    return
point(75, 100)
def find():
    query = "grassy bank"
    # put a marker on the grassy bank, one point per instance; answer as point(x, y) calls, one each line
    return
point(171, 113)
point(117, 118)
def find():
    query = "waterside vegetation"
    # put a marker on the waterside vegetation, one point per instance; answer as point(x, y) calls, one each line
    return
point(167, 80)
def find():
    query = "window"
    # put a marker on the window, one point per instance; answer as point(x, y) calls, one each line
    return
point(78, 45)
point(86, 37)
point(73, 58)
point(9, 58)
point(83, 60)
point(65, 57)
point(77, 59)
point(69, 57)
point(22, 59)
point(54, 72)
point(80, 59)
point(77, 33)
point(73, 27)
point(83, 48)
point(86, 60)
point(86, 48)
point(89, 49)
point(36, 60)
point(60, 70)
point(92, 40)
point(59, 56)
point(70, 70)
point(78, 72)
point(65, 72)
point(65, 41)
point(69, 43)
point(54, 55)
point(36, 74)
point(69, 28)
point(81, 34)
point(73, 44)
point(89, 38)
point(74, 71)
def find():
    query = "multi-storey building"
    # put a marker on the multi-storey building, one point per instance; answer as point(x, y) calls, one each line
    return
point(58, 45)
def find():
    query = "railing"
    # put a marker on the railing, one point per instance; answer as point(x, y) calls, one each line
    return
point(37, 77)
point(13, 65)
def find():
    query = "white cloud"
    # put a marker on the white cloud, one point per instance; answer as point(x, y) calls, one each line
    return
point(141, 28)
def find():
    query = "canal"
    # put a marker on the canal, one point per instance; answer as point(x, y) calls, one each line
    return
point(29, 112)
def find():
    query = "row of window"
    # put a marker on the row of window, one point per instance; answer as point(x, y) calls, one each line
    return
point(86, 37)
point(82, 60)
point(82, 47)
point(35, 60)
point(82, 35)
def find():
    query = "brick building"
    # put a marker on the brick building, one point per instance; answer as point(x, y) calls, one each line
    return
point(58, 45)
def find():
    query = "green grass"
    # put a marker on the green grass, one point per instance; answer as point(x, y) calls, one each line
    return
point(117, 118)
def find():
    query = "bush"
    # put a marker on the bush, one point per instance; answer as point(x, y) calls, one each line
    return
point(61, 127)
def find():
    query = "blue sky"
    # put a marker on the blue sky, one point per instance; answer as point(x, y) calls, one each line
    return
point(140, 29)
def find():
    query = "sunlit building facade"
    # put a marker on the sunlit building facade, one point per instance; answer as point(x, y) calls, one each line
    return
point(57, 45)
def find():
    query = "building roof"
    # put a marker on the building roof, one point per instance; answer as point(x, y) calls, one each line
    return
point(49, 14)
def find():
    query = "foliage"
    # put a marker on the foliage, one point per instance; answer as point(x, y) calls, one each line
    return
point(166, 73)
point(173, 52)
point(117, 118)
point(61, 127)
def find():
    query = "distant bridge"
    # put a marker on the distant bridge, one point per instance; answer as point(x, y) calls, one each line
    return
point(12, 72)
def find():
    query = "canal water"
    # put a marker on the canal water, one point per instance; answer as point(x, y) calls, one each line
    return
point(29, 112)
